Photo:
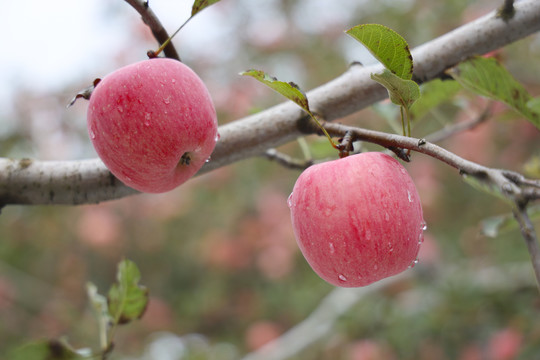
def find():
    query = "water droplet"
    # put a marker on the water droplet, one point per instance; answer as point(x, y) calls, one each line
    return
point(342, 278)
point(147, 118)
point(368, 234)
point(120, 109)
point(173, 81)
point(289, 201)
point(409, 196)
point(423, 224)
point(420, 239)
point(332, 248)
point(375, 267)
point(167, 100)
point(208, 160)
point(218, 136)
point(386, 216)
point(413, 263)
point(92, 134)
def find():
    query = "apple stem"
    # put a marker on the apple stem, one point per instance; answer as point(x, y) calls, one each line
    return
point(321, 127)
point(346, 144)
point(153, 54)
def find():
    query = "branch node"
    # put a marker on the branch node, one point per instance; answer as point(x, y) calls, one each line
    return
point(286, 160)
point(507, 11)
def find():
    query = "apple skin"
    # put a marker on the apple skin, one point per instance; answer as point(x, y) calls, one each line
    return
point(358, 219)
point(153, 124)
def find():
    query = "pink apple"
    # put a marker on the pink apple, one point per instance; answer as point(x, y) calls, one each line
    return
point(153, 124)
point(358, 219)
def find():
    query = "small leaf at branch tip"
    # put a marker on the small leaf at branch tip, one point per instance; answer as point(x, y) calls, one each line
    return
point(127, 300)
point(200, 5)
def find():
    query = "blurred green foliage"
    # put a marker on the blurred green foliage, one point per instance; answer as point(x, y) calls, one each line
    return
point(218, 254)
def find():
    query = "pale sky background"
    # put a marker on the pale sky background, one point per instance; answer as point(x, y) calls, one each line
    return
point(48, 44)
point(45, 44)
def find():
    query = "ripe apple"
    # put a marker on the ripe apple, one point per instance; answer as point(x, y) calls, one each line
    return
point(358, 219)
point(153, 124)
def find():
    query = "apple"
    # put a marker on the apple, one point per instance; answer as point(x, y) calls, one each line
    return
point(358, 219)
point(153, 124)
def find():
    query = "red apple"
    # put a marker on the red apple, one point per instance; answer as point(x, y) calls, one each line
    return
point(358, 219)
point(153, 124)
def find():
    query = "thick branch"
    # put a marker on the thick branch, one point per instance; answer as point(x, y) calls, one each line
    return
point(253, 135)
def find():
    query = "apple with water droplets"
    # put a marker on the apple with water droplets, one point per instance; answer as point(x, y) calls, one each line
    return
point(153, 124)
point(358, 219)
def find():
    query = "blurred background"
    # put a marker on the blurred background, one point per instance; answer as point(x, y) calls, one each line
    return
point(218, 254)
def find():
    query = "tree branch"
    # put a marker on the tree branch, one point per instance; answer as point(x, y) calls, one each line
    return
point(253, 135)
point(320, 323)
point(511, 184)
point(528, 233)
point(159, 32)
point(451, 130)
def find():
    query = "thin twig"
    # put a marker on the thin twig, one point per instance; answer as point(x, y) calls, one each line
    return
point(159, 32)
point(321, 322)
point(511, 184)
point(457, 128)
point(529, 234)
point(286, 160)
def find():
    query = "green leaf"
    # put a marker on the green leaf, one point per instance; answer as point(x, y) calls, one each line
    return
point(483, 186)
point(45, 350)
point(534, 105)
point(433, 94)
point(290, 90)
point(127, 300)
point(402, 92)
point(496, 225)
point(387, 46)
point(199, 5)
point(487, 77)
point(531, 167)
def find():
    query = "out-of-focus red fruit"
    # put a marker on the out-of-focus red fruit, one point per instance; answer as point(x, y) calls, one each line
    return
point(358, 219)
point(153, 124)
point(505, 344)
